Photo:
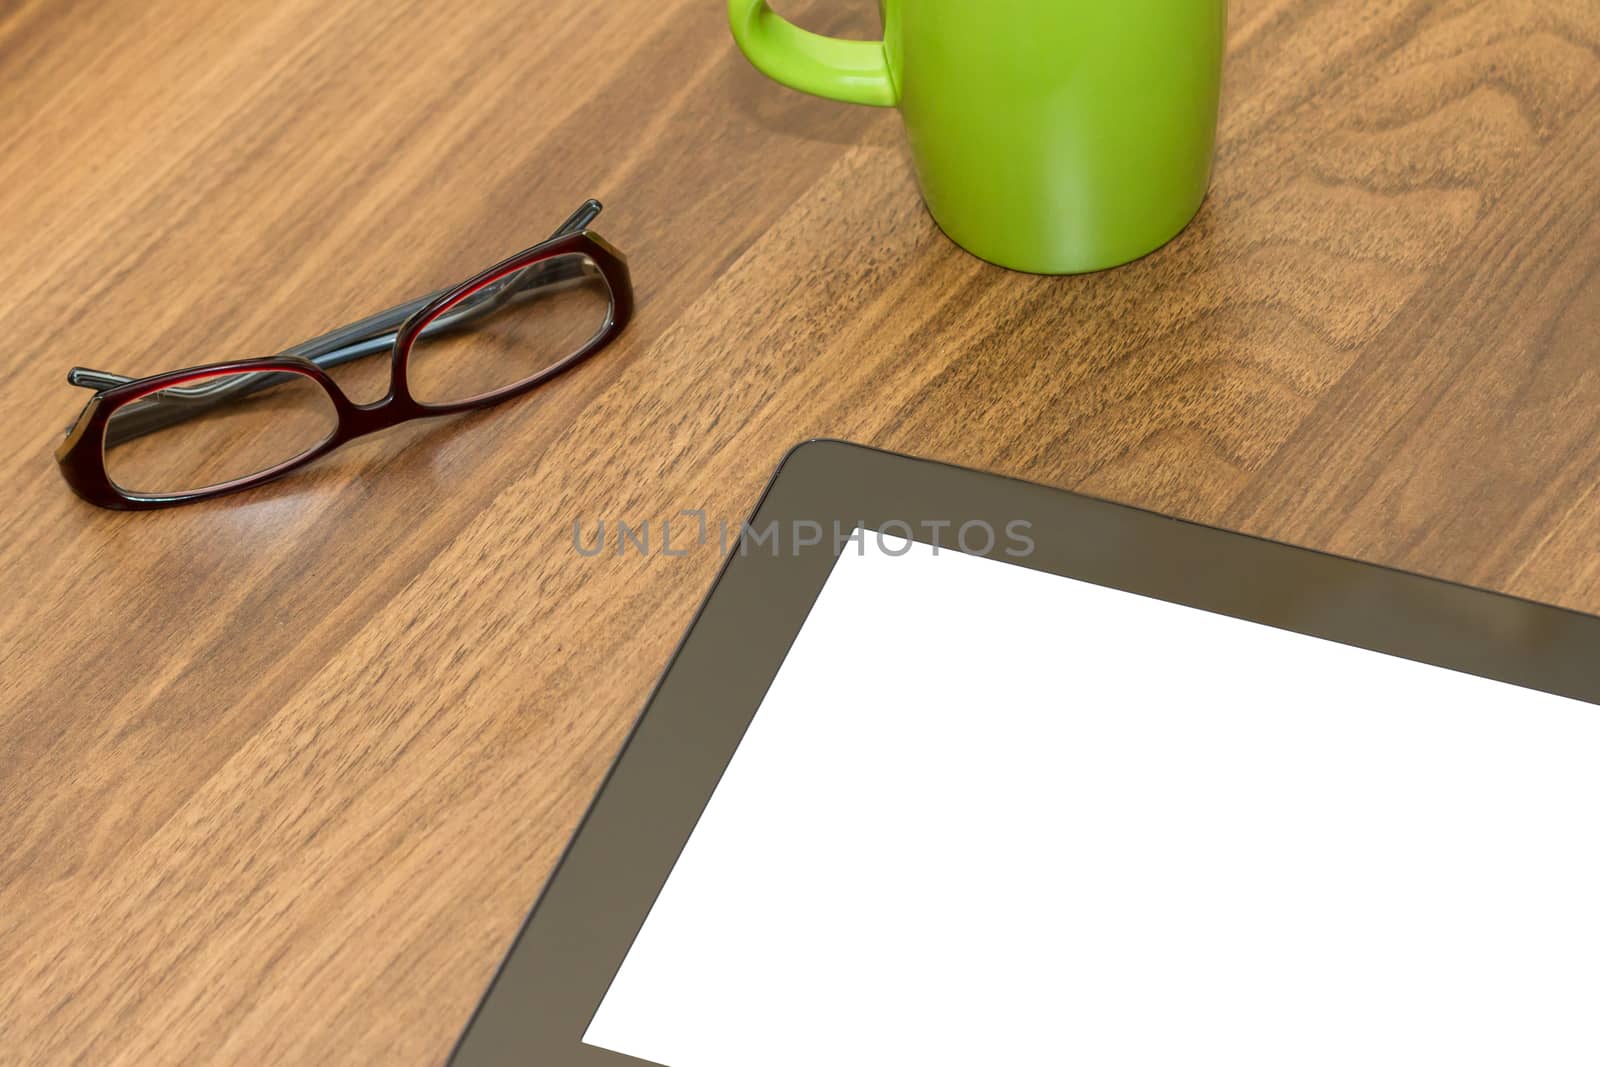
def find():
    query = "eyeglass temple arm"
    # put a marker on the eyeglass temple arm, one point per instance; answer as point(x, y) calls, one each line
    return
point(376, 333)
point(579, 220)
point(365, 337)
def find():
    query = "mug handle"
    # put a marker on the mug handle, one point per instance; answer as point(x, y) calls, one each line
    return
point(856, 72)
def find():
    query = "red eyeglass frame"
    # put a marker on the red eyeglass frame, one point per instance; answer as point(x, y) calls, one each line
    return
point(82, 455)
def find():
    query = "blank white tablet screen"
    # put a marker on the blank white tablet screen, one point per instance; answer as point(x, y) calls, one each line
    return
point(987, 815)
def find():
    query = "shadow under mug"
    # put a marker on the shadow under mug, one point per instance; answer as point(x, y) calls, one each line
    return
point(1051, 136)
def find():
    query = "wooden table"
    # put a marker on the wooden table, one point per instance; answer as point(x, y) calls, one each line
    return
point(280, 774)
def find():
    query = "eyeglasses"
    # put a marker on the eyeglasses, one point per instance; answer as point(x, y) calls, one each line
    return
point(192, 434)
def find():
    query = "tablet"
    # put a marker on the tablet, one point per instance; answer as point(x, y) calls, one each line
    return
point(953, 769)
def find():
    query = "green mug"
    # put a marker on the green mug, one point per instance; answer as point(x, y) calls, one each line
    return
point(1053, 136)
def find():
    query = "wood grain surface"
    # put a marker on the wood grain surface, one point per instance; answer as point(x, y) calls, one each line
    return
point(281, 773)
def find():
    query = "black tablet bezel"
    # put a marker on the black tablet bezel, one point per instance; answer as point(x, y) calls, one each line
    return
point(574, 940)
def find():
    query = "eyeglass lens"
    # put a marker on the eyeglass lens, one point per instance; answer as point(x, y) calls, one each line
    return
point(215, 431)
point(510, 331)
